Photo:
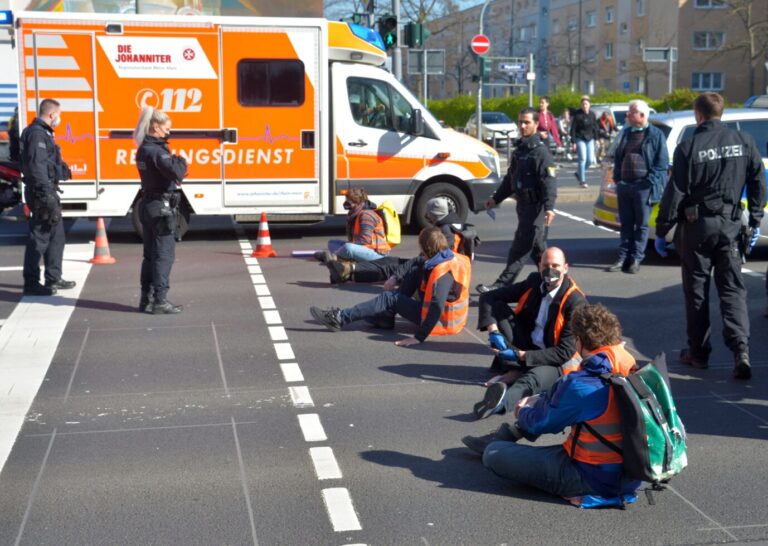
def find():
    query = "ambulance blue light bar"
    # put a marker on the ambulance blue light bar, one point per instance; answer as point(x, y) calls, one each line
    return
point(367, 34)
point(6, 17)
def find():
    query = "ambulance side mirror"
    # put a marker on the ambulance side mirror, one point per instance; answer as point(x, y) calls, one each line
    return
point(417, 123)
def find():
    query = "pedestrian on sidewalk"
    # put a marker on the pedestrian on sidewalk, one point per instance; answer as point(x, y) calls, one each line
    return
point(583, 134)
point(161, 173)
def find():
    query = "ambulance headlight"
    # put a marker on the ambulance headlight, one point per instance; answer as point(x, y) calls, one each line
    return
point(491, 162)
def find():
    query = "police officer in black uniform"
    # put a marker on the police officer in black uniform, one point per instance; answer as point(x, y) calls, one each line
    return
point(161, 174)
point(703, 196)
point(531, 181)
point(43, 168)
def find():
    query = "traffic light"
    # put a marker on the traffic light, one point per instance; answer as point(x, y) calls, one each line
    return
point(484, 66)
point(388, 30)
point(414, 34)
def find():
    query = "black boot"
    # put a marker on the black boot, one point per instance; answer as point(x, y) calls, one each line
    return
point(145, 303)
point(165, 307)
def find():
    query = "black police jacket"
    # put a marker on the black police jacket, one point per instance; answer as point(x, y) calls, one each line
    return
point(41, 159)
point(159, 169)
point(710, 170)
point(531, 174)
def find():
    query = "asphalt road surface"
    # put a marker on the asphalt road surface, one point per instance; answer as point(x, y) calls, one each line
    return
point(242, 421)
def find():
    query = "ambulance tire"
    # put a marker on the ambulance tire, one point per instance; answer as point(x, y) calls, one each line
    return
point(182, 220)
point(457, 202)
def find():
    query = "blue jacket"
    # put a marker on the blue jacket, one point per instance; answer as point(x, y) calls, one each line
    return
point(655, 154)
point(578, 397)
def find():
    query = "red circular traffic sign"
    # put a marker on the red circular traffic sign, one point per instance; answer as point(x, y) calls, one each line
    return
point(480, 44)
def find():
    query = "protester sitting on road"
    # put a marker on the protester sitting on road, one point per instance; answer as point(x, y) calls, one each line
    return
point(366, 233)
point(533, 340)
point(582, 465)
point(434, 296)
point(391, 268)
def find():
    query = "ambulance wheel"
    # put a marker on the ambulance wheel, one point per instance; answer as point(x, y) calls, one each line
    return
point(182, 220)
point(457, 202)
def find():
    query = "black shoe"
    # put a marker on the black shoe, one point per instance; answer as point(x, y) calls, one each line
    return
point(145, 303)
point(340, 270)
point(483, 288)
point(492, 402)
point(165, 308)
point(61, 284)
point(634, 267)
point(330, 318)
point(699, 363)
point(39, 290)
point(505, 433)
point(325, 256)
point(742, 368)
point(618, 265)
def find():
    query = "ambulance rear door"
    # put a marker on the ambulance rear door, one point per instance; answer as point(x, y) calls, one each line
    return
point(59, 64)
point(271, 90)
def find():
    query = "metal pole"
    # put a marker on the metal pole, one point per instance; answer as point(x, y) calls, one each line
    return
point(530, 82)
point(397, 54)
point(424, 72)
point(479, 108)
point(669, 83)
point(579, 46)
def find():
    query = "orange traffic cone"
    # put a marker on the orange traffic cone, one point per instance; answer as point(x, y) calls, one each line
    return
point(264, 243)
point(101, 254)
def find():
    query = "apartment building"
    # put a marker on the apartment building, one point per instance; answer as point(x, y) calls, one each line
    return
point(587, 45)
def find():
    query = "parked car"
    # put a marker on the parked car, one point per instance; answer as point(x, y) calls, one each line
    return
point(496, 127)
point(618, 111)
point(679, 126)
point(756, 101)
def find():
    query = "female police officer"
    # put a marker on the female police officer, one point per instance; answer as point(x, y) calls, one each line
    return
point(161, 173)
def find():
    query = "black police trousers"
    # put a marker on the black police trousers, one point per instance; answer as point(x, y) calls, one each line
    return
point(707, 244)
point(45, 241)
point(159, 248)
point(530, 240)
point(377, 270)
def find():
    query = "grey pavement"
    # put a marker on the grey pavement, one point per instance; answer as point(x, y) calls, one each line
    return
point(183, 430)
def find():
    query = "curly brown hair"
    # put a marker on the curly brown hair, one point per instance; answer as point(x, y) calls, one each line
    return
point(357, 196)
point(432, 241)
point(595, 326)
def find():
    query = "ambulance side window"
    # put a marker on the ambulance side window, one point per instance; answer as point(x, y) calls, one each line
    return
point(270, 82)
point(369, 103)
point(402, 111)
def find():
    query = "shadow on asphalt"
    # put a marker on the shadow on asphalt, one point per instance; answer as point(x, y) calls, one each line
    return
point(459, 469)
point(440, 373)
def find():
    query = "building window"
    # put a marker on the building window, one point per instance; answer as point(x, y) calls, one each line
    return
point(640, 46)
point(590, 54)
point(639, 85)
point(708, 40)
point(534, 31)
point(609, 50)
point(709, 4)
point(589, 87)
point(591, 18)
point(609, 14)
point(270, 82)
point(640, 7)
point(707, 81)
point(556, 26)
point(622, 66)
point(523, 33)
point(572, 23)
point(624, 28)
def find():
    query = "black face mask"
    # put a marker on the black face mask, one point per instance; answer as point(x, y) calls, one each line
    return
point(550, 275)
point(347, 205)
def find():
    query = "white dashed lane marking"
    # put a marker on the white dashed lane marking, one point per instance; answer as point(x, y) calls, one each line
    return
point(301, 397)
point(312, 428)
point(340, 509)
point(292, 372)
point(272, 317)
point(277, 333)
point(284, 351)
point(325, 463)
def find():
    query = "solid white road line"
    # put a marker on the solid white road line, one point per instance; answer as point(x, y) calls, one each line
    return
point(340, 509)
point(301, 397)
point(272, 317)
point(28, 341)
point(292, 372)
point(277, 333)
point(325, 463)
point(284, 351)
point(311, 427)
point(12, 268)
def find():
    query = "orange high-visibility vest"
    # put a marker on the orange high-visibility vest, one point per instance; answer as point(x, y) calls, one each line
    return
point(457, 240)
point(456, 312)
point(559, 319)
point(378, 236)
point(584, 446)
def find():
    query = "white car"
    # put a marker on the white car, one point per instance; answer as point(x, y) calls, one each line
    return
point(497, 128)
point(618, 111)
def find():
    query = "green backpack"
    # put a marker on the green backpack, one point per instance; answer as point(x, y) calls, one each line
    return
point(654, 436)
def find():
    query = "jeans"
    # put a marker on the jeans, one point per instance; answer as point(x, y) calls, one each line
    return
point(586, 154)
point(634, 211)
point(546, 468)
point(353, 251)
point(387, 304)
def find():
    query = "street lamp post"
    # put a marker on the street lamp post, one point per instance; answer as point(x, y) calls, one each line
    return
point(479, 108)
point(579, 45)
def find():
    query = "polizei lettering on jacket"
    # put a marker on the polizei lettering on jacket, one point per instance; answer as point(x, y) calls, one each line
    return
point(720, 152)
point(125, 55)
point(250, 156)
